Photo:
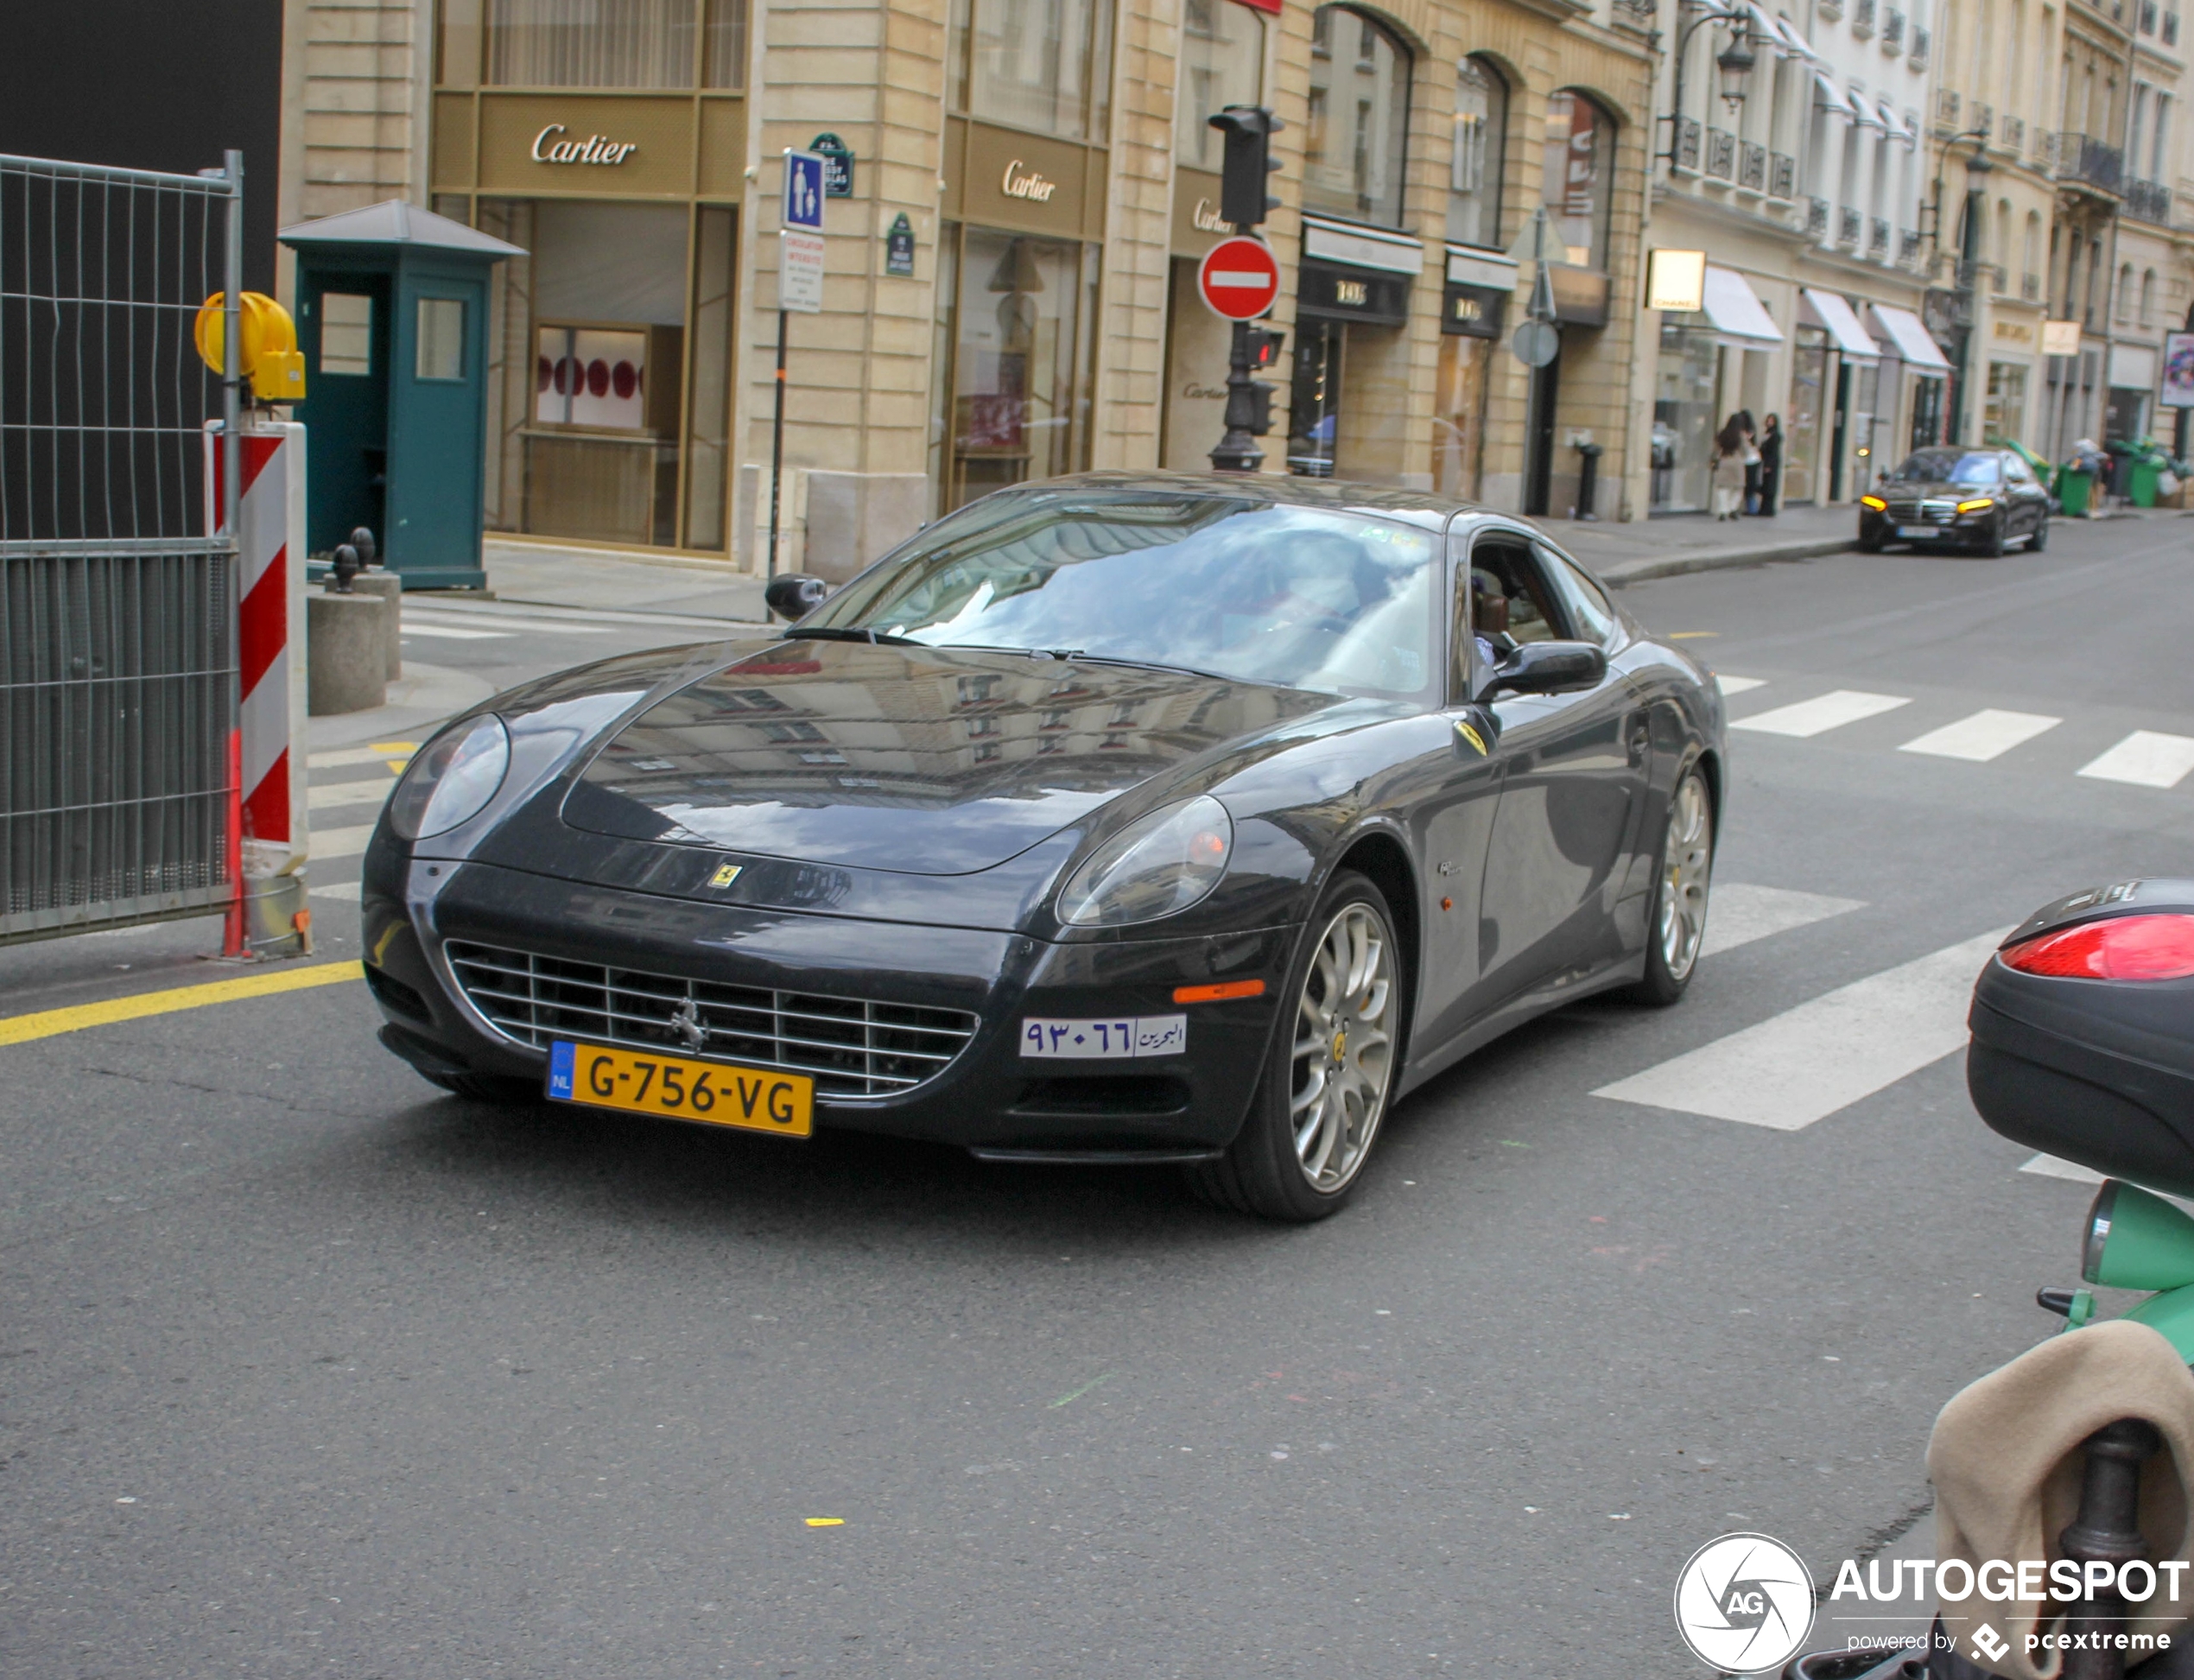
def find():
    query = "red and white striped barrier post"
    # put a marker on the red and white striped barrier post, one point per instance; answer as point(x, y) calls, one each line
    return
point(268, 826)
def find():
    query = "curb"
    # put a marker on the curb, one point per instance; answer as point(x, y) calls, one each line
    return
point(1645, 571)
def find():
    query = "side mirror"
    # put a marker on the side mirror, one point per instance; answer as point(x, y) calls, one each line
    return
point(1550, 668)
point(793, 595)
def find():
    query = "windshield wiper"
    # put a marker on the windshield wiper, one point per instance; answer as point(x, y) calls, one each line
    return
point(842, 633)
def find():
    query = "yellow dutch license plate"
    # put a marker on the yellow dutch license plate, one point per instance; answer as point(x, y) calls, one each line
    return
point(714, 1093)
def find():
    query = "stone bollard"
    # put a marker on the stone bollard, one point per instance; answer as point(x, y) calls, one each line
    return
point(344, 657)
point(390, 588)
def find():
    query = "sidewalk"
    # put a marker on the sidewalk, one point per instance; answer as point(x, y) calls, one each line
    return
point(1696, 542)
point(610, 579)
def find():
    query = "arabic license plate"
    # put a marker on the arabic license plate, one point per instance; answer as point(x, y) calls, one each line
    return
point(713, 1093)
point(1910, 531)
point(1113, 1040)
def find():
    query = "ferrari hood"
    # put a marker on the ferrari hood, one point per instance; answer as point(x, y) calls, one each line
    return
point(936, 762)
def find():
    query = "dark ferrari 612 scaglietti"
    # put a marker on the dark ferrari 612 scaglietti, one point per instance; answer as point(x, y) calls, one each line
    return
point(1124, 818)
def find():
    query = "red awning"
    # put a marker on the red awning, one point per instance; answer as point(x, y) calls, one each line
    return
point(1271, 6)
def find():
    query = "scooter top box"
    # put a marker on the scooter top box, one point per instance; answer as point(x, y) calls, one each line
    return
point(2083, 1033)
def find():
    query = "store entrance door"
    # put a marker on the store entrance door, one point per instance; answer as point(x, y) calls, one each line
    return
point(1313, 405)
point(1837, 435)
point(1538, 471)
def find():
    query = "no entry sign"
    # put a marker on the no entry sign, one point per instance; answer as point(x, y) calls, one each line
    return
point(1240, 279)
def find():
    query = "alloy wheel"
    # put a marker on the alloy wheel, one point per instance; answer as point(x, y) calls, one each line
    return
point(1344, 1048)
point(1687, 862)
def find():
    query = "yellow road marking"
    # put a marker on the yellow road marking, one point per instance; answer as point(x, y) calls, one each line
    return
point(21, 1029)
point(1690, 635)
point(826, 1522)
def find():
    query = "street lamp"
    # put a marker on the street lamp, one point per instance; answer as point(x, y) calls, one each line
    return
point(1735, 62)
point(1978, 168)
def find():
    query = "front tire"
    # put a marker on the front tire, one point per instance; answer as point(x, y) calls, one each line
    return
point(1677, 927)
point(1994, 545)
point(1331, 1072)
point(2039, 541)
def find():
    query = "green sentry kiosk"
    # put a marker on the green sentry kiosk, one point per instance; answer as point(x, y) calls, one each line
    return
point(392, 318)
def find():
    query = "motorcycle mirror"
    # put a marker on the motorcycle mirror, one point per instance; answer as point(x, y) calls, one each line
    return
point(2136, 1240)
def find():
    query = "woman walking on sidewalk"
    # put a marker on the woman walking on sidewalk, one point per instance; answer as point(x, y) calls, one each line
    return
point(1771, 465)
point(1728, 469)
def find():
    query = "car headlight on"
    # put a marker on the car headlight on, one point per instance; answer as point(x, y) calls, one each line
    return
point(1873, 502)
point(1978, 504)
point(1158, 865)
point(451, 781)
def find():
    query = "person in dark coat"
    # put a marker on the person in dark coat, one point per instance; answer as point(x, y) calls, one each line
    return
point(1771, 465)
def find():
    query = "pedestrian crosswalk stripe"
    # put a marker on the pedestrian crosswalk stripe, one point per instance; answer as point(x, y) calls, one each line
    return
point(1739, 913)
point(451, 633)
point(328, 843)
point(2048, 1166)
point(1985, 735)
point(393, 753)
point(1795, 1067)
point(544, 625)
point(1823, 713)
point(2146, 758)
point(333, 795)
point(1738, 685)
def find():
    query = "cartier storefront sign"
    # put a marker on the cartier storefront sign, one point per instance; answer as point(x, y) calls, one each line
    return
point(551, 146)
point(1031, 183)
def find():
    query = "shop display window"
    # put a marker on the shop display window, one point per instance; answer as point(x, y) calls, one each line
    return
point(1044, 64)
point(1479, 154)
point(657, 44)
point(1580, 154)
point(1459, 415)
point(1223, 63)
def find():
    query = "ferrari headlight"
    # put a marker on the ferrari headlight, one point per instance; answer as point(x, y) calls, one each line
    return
point(451, 781)
point(1158, 865)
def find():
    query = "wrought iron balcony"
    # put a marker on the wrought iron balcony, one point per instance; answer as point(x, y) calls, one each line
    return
point(1851, 226)
point(2149, 201)
point(1782, 175)
point(2090, 162)
point(1722, 153)
point(1817, 218)
point(1751, 166)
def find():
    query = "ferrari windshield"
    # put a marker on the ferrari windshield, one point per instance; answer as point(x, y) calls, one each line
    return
point(1950, 466)
point(1309, 597)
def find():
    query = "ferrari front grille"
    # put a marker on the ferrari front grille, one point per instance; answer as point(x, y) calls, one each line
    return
point(851, 1047)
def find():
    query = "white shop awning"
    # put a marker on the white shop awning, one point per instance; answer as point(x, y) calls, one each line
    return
point(1798, 43)
point(1892, 121)
point(1861, 111)
point(1915, 344)
point(1829, 97)
point(1831, 312)
point(1735, 311)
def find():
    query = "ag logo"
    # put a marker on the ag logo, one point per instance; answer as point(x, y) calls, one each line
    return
point(1744, 1603)
point(724, 877)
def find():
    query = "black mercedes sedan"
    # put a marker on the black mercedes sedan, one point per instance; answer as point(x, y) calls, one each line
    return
point(1987, 500)
point(1115, 818)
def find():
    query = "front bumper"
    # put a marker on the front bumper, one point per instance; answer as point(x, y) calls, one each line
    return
point(989, 1097)
point(1963, 530)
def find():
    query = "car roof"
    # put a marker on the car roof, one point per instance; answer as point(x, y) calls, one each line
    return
point(1278, 490)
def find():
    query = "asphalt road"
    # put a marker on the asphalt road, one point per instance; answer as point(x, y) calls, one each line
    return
point(307, 1369)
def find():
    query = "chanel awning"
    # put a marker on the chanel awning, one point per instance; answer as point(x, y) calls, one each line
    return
point(1915, 344)
point(1831, 310)
point(1735, 312)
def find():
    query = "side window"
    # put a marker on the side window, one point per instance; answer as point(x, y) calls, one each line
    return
point(1590, 610)
point(1508, 593)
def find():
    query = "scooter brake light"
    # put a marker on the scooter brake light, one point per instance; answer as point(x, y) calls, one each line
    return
point(2122, 948)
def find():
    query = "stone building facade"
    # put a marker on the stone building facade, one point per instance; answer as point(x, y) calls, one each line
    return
point(1009, 291)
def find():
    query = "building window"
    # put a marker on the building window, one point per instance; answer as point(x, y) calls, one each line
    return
point(1223, 63)
point(1580, 153)
point(2148, 299)
point(1044, 64)
point(664, 44)
point(1358, 118)
point(1479, 155)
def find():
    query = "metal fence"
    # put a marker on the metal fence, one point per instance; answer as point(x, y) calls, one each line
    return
point(118, 642)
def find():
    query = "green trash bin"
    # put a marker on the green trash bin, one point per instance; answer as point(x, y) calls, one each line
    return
point(2073, 489)
point(2142, 473)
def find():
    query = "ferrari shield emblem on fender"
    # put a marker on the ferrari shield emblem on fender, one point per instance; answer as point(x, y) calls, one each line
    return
point(1469, 734)
point(729, 872)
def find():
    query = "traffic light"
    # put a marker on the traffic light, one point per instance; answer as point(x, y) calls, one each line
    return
point(1261, 409)
point(1264, 346)
point(1242, 198)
